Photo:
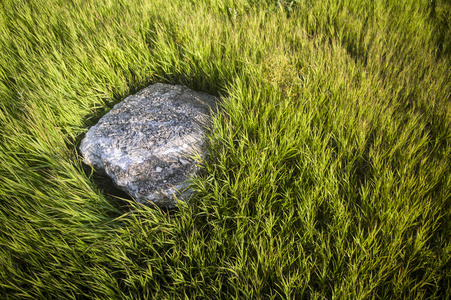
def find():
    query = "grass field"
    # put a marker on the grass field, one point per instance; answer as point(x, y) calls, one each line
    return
point(330, 169)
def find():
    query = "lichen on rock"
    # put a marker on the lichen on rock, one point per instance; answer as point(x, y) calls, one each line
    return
point(146, 142)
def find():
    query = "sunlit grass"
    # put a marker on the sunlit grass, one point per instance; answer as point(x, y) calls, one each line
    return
point(330, 163)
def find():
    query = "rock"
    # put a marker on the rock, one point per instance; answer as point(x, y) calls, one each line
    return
point(146, 142)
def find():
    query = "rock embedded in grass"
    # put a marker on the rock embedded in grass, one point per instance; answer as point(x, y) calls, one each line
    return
point(146, 143)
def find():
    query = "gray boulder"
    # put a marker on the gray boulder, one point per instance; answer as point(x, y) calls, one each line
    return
point(146, 143)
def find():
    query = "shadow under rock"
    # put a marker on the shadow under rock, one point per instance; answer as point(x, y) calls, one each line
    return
point(117, 197)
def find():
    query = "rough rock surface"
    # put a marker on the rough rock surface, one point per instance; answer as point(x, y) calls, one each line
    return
point(146, 142)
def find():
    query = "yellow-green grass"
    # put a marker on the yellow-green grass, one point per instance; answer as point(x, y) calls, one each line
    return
point(330, 163)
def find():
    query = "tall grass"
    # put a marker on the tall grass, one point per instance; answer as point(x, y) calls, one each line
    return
point(330, 169)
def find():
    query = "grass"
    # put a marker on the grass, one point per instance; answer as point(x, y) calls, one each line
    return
point(330, 169)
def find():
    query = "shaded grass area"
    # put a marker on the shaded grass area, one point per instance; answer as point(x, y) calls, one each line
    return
point(330, 162)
